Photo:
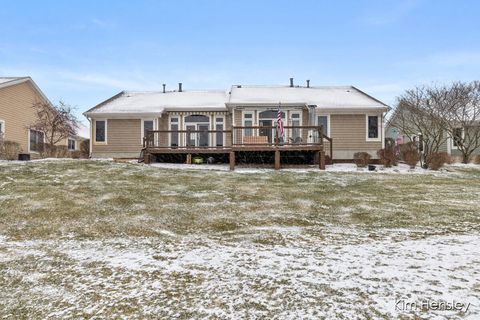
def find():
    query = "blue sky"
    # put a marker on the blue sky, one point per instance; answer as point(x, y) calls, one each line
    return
point(83, 52)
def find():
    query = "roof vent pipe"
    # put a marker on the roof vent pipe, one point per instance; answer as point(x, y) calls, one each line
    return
point(308, 83)
point(164, 87)
point(179, 87)
point(291, 82)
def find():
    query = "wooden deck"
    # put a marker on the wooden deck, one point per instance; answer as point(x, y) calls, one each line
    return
point(198, 142)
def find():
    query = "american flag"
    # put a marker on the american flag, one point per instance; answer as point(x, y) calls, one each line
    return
point(280, 129)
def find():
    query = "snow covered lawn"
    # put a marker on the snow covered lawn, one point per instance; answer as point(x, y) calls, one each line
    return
point(83, 239)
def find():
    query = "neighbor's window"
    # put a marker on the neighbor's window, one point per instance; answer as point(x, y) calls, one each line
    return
point(36, 140)
point(373, 127)
point(323, 121)
point(2, 127)
point(71, 144)
point(457, 137)
point(100, 130)
point(248, 122)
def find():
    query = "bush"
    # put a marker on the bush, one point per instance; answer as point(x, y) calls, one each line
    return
point(9, 150)
point(361, 159)
point(75, 154)
point(52, 151)
point(410, 154)
point(449, 159)
point(477, 159)
point(437, 160)
point(85, 148)
point(387, 157)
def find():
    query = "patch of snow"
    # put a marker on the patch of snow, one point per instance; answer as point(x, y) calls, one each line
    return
point(204, 273)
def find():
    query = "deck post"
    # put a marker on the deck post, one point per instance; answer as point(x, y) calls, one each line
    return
point(147, 158)
point(232, 160)
point(189, 158)
point(321, 160)
point(277, 159)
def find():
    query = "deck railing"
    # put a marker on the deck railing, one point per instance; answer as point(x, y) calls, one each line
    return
point(187, 139)
point(269, 135)
point(238, 136)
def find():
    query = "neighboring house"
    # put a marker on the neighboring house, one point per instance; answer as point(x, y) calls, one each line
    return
point(450, 146)
point(219, 122)
point(73, 143)
point(17, 96)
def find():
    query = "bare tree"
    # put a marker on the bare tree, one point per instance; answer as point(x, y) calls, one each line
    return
point(463, 117)
point(419, 111)
point(57, 122)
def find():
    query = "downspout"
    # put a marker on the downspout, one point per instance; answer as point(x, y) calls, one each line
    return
point(383, 130)
point(90, 142)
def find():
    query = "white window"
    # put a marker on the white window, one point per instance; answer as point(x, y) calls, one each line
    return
point(147, 125)
point(71, 144)
point(174, 127)
point(36, 140)
point(373, 128)
point(219, 134)
point(296, 121)
point(248, 122)
point(101, 131)
point(458, 136)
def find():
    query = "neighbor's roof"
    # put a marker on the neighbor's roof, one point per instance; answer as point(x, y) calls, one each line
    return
point(156, 102)
point(10, 81)
point(324, 97)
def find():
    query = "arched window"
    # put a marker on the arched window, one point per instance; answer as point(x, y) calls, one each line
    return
point(270, 114)
point(196, 118)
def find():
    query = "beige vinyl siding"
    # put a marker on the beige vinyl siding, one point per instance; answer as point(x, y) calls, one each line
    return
point(163, 124)
point(349, 134)
point(16, 110)
point(238, 118)
point(123, 139)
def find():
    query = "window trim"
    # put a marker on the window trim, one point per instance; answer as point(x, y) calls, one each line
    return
point(328, 121)
point(244, 112)
point(142, 127)
point(179, 138)
point(379, 126)
point(74, 144)
point(28, 144)
point(289, 118)
point(213, 141)
point(94, 133)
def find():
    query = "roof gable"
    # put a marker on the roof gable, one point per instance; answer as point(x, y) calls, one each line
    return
point(6, 82)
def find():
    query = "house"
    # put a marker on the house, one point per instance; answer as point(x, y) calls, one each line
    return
point(17, 96)
point(335, 120)
point(449, 143)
